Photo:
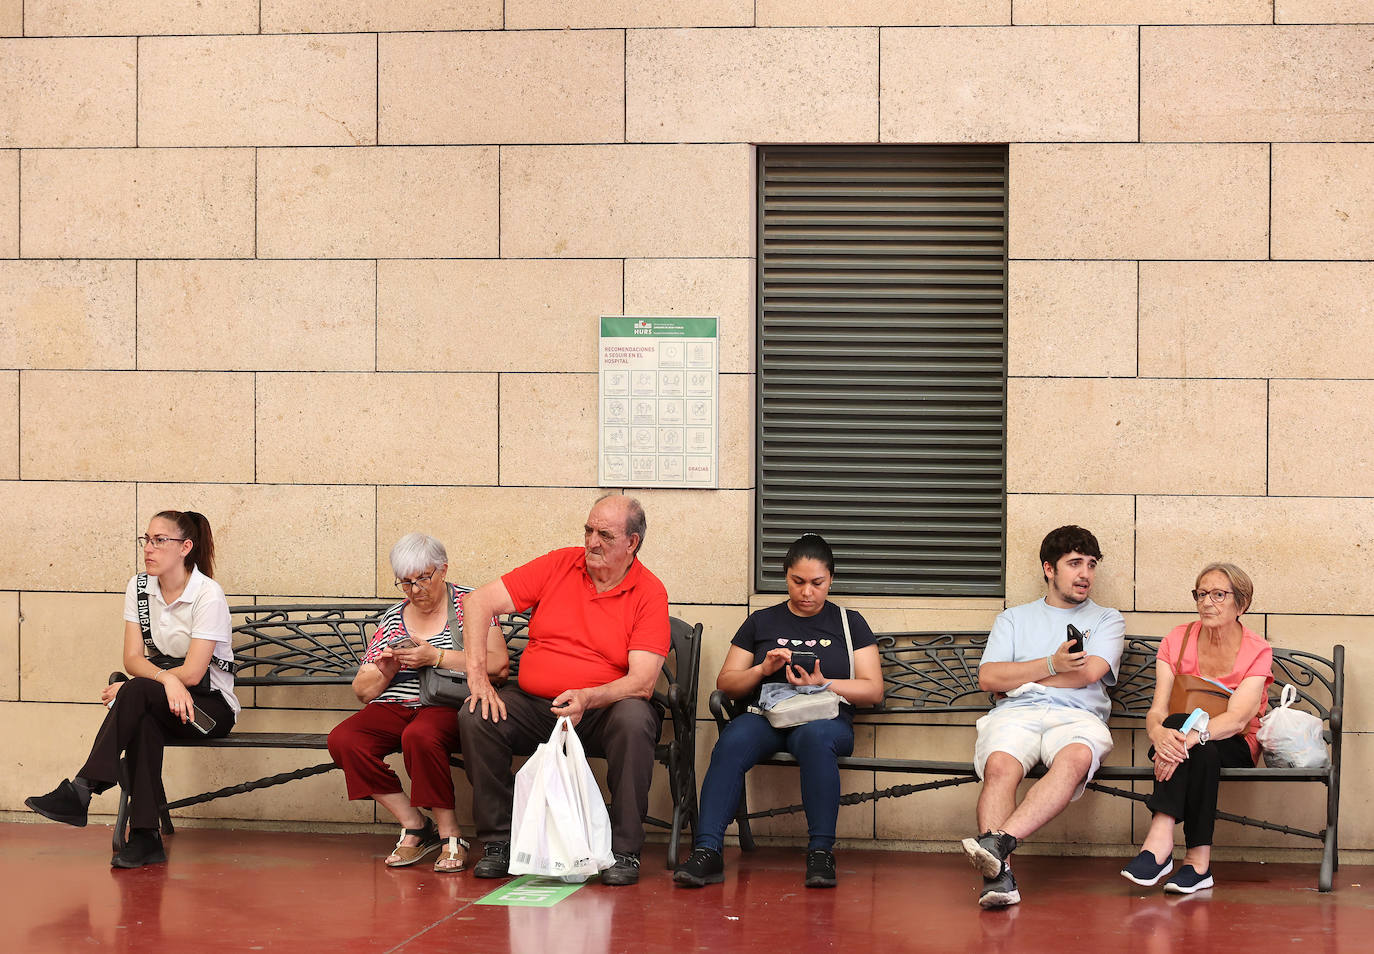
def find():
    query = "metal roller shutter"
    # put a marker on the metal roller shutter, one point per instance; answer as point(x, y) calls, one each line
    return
point(882, 365)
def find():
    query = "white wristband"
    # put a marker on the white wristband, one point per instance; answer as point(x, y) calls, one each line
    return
point(1049, 662)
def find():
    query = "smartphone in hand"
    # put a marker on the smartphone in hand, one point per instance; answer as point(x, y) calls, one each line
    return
point(805, 659)
point(203, 723)
point(1075, 639)
point(406, 643)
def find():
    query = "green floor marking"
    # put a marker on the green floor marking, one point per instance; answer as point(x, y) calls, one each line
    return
point(530, 891)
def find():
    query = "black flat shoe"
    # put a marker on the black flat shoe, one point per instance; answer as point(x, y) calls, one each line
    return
point(62, 804)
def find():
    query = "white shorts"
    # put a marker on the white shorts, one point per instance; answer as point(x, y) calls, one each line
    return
point(1033, 734)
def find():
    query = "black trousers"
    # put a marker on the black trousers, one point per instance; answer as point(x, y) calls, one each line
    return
point(138, 725)
point(623, 733)
point(1190, 794)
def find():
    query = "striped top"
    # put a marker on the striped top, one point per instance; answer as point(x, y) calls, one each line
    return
point(391, 629)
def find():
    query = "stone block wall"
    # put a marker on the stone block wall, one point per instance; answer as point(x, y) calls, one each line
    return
point(329, 271)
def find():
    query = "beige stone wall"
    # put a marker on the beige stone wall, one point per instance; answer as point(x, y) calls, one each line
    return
point(328, 270)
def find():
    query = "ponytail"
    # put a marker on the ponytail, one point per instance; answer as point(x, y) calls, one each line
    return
point(194, 527)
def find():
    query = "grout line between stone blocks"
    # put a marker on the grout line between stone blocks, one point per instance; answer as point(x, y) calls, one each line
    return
point(1269, 236)
point(19, 438)
point(1139, 57)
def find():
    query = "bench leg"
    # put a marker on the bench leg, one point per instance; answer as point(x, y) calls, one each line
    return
point(746, 836)
point(121, 826)
point(166, 816)
point(1328, 861)
point(675, 791)
point(674, 837)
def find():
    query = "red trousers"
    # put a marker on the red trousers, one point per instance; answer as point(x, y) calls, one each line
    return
point(424, 735)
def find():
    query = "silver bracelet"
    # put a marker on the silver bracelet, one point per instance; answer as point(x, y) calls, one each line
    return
point(1049, 661)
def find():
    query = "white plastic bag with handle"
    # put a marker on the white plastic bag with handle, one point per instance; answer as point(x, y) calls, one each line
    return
point(1291, 738)
point(559, 824)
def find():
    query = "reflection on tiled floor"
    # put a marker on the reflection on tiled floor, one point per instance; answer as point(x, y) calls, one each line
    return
point(262, 891)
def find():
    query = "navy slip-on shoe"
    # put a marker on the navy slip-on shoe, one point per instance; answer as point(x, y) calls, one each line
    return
point(1187, 881)
point(1144, 870)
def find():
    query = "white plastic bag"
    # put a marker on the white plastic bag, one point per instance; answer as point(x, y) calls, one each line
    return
point(1291, 738)
point(559, 824)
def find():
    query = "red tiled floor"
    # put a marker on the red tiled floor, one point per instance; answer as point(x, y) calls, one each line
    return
point(263, 891)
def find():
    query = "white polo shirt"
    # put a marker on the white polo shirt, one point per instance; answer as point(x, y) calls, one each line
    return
point(200, 612)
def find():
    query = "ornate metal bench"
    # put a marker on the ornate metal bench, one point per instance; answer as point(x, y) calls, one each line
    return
point(936, 674)
point(277, 646)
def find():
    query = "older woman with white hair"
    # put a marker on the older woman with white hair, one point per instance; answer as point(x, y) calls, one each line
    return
point(411, 635)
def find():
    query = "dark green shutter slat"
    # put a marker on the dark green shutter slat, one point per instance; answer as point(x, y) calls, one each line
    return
point(882, 365)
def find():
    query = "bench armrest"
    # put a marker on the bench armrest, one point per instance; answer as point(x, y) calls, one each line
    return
point(723, 708)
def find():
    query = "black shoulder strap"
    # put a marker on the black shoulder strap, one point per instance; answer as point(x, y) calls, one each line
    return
point(144, 617)
point(145, 624)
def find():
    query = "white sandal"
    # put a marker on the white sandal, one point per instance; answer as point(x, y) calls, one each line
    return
point(455, 848)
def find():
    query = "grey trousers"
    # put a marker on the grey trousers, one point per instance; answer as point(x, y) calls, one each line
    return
point(623, 733)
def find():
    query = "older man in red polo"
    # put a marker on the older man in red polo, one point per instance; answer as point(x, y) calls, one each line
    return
point(596, 643)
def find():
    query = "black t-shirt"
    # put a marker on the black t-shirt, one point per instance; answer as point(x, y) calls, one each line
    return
point(777, 627)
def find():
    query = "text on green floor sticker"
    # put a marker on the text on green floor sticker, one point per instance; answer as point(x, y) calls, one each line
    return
point(530, 891)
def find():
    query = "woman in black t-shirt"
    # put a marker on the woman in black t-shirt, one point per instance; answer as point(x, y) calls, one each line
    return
point(762, 651)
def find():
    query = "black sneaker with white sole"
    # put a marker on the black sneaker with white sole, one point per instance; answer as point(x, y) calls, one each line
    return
point(1187, 881)
point(989, 852)
point(1145, 870)
point(999, 892)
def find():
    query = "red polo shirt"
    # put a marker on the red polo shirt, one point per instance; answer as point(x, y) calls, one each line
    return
point(580, 638)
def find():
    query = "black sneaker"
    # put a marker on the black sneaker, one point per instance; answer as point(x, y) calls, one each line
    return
point(624, 871)
point(495, 861)
point(999, 892)
point(820, 869)
point(703, 867)
point(1187, 881)
point(144, 847)
point(989, 851)
point(62, 804)
point(1144, 870)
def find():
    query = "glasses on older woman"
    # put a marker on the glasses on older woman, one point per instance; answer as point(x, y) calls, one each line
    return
point(404, 585)
point(1216, 596)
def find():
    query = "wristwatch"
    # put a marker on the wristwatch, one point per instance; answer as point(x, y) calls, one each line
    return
point(1202, 736)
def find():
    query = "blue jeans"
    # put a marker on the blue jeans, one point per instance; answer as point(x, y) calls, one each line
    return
point(749, 738)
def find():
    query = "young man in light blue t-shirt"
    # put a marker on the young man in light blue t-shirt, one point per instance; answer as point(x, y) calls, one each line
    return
point(1052, 706)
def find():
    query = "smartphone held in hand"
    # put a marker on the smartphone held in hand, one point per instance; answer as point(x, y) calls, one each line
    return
point(203, 723)
point(1075, 639)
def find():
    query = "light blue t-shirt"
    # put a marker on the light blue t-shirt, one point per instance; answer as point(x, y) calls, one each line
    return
point(1032, 631)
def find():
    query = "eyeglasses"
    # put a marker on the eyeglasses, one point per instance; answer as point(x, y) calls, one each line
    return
point(158, 541)
point(404, 585)
point(1216, 596)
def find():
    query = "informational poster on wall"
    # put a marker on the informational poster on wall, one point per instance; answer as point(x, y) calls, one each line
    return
point(659, 386)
